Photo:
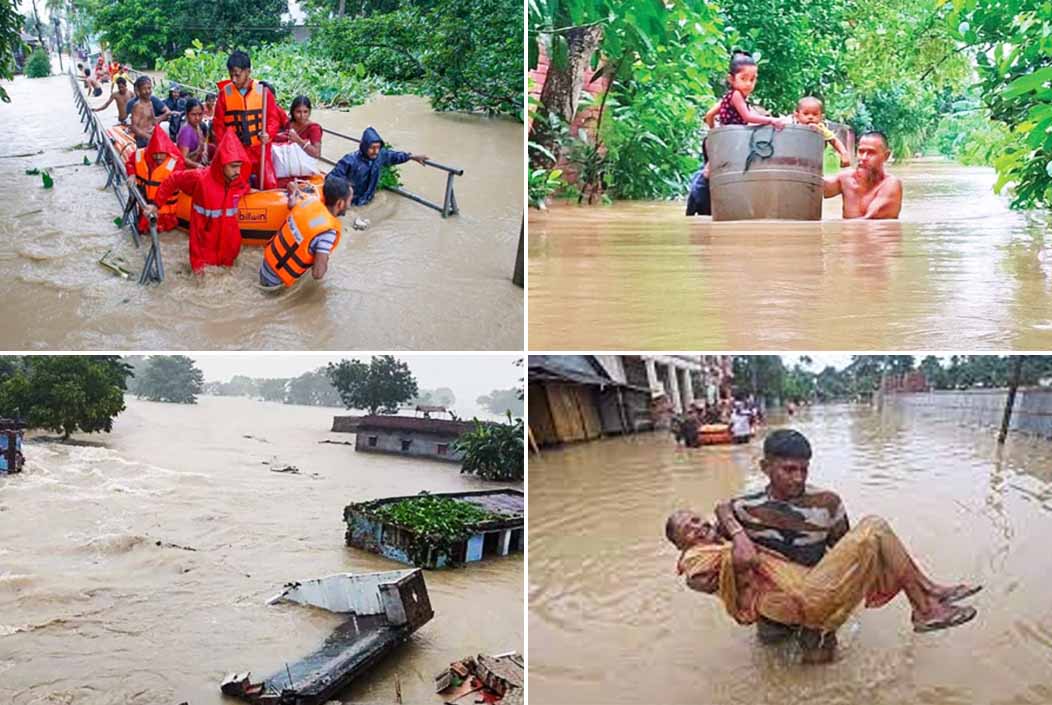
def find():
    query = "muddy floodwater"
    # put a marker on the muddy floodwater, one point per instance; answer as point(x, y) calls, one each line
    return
point(959, 271)
point(93, 612)
point(610, 622)
point(413, 280)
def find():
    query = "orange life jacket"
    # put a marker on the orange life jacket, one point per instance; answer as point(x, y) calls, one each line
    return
point(288, 252)
point(244, 113)
point(150, 177)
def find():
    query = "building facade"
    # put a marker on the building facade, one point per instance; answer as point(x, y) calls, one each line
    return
point(405, 435)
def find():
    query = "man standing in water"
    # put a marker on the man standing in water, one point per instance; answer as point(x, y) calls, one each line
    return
point(869, 192)
point(146, 111)
point(790, 517)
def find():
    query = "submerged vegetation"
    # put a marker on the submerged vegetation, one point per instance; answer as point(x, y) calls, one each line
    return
point(966, 78)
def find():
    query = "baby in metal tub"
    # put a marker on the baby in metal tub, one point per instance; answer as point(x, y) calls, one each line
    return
point(810, 112)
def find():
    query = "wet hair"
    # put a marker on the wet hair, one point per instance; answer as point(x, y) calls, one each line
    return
point(238, 60)
point(876, 133)
point(183, 93)
point(336, 187)
point(787, 443)
point(298, 101)
point(142, 81)
point(121, 79)
point(739, 60)
point(192, 103)
point(80, 66)
point(210, 96)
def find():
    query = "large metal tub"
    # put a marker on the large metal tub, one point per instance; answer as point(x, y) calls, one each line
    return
point(783, 179)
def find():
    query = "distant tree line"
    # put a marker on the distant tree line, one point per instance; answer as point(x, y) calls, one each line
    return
point(770, 378)
point(167, 378)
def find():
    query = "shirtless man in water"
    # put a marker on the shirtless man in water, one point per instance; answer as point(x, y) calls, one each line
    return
point(121, 96)
point(869, 192)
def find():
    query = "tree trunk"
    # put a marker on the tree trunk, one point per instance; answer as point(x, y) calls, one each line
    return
point(562, 86)
point(342, 8)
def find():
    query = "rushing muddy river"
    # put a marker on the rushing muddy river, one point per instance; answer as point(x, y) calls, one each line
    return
point(610, 622)
point(959, 271)
point(412, 280)
point(93, 612)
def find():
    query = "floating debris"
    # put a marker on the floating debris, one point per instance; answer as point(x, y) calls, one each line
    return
point(384, 611)
point(485, 679)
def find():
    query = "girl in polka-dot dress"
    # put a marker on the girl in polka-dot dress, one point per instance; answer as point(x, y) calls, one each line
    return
point(733, 108)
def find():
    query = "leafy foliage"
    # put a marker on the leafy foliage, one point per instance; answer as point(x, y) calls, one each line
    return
point(1015, 42)
point(286, 67)
point(439, 523)
point(170, 378)
point(140, 32)
point(464, 54)
point(39, 64)
point(493, 451)
point(66, 393)
point(382, 385)
point(10, 40)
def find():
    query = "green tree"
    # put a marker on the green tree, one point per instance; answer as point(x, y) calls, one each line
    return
point(493, 451)
point(10, 40)
point(39, 64)
point(171, 378)
point(382, 385)
point(66, 393)
point(502, 401)
point(140, 31)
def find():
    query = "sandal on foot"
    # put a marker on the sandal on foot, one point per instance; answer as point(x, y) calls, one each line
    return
point(959, 616)
point(959, 593)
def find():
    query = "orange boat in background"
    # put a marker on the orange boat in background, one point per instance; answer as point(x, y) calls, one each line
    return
point(260, 214)
point(714, 434)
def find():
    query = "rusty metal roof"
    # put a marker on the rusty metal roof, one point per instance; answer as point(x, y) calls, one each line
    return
point(412, 423)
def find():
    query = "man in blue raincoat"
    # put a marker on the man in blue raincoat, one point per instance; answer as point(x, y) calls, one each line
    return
point(362, 168)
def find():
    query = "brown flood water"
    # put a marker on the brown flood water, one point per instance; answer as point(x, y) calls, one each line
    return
point(610, 622)
point(411, 281)
point(959, 271)
point(92, 612)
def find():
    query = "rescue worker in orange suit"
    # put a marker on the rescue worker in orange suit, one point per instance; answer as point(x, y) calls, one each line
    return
point(215, 238)
point(239, 109)
point(151, 165)
point(308, 237)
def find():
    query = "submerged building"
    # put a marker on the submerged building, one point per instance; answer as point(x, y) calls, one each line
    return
point(407, 435)
point(368, 528)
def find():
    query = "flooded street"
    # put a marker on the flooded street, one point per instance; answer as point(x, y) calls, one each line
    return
point(610, 621)
point(94, 612)
point(960, 271)
point(411, 281)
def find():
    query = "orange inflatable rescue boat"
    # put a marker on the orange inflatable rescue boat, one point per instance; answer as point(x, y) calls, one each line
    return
point(714, 434)
point(260, 214)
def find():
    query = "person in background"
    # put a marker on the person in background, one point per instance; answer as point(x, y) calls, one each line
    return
point(192, 141)
point(122, 96)
point(146, 110)
point(300, 129)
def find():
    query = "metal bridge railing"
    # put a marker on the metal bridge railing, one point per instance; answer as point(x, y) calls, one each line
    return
point(124, 189)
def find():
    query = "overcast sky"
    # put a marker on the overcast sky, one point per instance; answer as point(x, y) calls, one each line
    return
point(469, 376)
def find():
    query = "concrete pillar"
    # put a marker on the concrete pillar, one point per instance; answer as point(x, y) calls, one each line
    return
point(673, 389)
point(652, 378)
point(505, 542)
point(688, 388)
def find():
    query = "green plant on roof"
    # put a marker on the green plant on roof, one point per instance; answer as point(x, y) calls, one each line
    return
point(437, 523)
